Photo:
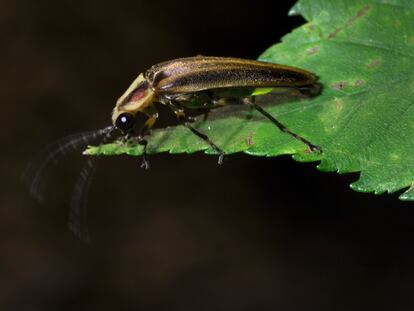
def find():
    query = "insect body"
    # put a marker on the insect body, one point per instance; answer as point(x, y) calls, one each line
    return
point(193, 82)
point(203, 82)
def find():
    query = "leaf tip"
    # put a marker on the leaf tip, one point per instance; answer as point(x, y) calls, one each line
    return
point(295, 10)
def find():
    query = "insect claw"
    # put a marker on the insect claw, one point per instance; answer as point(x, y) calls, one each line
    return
point(313, 148)
point(221, 158)
point(145, 164)
point(316, 148)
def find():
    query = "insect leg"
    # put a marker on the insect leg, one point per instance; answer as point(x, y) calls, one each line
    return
point(179, 112)
point(281, 127)
point(205, 112)
point(152, 114)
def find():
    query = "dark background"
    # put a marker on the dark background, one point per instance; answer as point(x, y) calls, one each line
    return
point(252, 234)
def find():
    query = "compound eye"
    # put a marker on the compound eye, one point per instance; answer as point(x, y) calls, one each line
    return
point(125, 122)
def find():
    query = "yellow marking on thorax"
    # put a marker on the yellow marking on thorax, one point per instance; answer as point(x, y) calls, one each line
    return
point(134, 103)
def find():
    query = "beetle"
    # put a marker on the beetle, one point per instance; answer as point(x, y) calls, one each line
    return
point(200, 82)
point(204, 82)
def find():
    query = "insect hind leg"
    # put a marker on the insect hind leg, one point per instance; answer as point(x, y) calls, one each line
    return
point(280, 126)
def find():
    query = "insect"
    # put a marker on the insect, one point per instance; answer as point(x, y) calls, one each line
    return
point(204, 83)
point(186, 83)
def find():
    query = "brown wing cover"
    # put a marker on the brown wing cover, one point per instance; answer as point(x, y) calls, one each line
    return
point(193, 74)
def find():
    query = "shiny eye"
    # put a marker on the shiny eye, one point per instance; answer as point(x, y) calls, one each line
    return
point(125, 122)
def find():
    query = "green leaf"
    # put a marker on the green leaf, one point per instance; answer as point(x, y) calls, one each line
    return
point(363, 53)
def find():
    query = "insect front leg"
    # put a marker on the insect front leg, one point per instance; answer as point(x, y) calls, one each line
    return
point(152, 115)
point(249, 101)
point(179, 112)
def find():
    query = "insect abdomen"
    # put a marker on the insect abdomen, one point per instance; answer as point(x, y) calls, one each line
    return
point(193, 74)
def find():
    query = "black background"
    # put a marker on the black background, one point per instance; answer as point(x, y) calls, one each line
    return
point(252, 234)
